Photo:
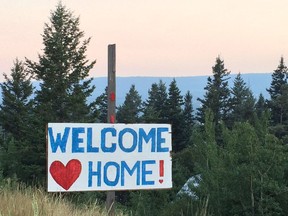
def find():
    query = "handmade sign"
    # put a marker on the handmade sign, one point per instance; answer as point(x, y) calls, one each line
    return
point(91, 157)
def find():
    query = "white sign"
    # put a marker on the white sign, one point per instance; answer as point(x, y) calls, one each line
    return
point(102, 157)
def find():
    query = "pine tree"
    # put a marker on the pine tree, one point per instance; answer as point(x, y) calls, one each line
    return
point(260, 106)
point(217, 94)
point(16, 116)
point(188, 115)
point(175, 116)
point(281, 104)
point(101, 107)
point(62, 70)
point(161, 102)
point(242, 102)
point(155, 107)
point(279, 78)
point(130, 111)
point(16, 102)
point(216, 98)
point(150, 114)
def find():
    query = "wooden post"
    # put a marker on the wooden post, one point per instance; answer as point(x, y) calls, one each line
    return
point(111, 118)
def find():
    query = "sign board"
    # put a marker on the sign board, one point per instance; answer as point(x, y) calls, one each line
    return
point(103, 157)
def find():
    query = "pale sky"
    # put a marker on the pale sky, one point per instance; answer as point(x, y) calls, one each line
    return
point(157, 37)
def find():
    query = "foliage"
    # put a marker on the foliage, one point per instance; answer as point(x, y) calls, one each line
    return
point(246, 175)
point(17, 118)
point(62, 70)
point(101, 107)
point(241, 102)
point(277, 93)
point(155, 107)
point(130, 111)
point(175, 117)
point(217, 94)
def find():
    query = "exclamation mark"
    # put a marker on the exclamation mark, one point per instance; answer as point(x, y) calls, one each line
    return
point(161, 170)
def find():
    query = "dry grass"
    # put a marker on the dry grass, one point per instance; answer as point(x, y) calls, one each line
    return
point(23, 201)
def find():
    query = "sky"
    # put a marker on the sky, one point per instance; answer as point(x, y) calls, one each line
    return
point(157, 37)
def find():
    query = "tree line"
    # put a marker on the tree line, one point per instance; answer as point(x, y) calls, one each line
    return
point(234, 145)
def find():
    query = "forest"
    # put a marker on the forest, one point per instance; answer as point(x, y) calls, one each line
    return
point(233, 147)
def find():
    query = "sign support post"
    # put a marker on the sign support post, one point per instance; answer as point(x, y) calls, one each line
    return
point(111, 117)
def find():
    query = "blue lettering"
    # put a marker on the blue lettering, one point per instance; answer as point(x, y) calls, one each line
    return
point(103, 140)
point(116, 180)
point(124, 167)
point(59, 142)
point(92, 173)
point(90, 148)
point(134, 140)
point(146, 137)
point(146, 172)
point(161, 140)
point(76, 140)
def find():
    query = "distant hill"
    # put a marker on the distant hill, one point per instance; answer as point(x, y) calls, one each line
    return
point(195, 84)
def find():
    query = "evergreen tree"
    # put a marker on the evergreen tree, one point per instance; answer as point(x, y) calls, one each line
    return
point(188, 115)
point(62, 71)
point(281, 104)
point(155, 107)
point(101, 107)
point(16, 102)
point(260, 105)
point(161, 102)
point(130, 111)
point(216, 97)
point(17, 121)
point(175, 116)
point(150, 113)
point(217, 94)
point(242, 102)
point(279, 78)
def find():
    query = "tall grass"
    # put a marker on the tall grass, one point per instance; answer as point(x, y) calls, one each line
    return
point(18, 200)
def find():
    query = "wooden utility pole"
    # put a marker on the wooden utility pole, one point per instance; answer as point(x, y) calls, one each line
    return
point(111, 118)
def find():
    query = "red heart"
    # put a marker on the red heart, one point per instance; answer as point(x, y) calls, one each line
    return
point(65, 176)
point(161, 181)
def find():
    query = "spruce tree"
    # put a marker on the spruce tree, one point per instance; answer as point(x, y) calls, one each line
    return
point(155, 107)
point(63, 70)
point(216, 97)
point(260, 106)
point(175, 116)
point(217, 94)
point(130, 111)
point(16, 101)
point(101, 107)
point(188, 115)
point(242, 102)
point(17, 120)
point(161, 102)
point(279, 78)
point(281, 104)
